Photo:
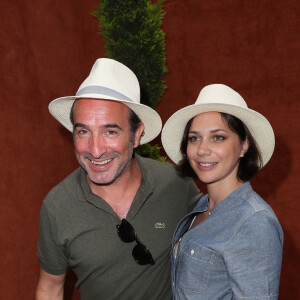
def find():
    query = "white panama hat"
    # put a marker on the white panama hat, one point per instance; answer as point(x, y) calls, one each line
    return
point(220, 98)
point(110, 80)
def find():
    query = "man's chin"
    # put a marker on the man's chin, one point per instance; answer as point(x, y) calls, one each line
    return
point(101, 181)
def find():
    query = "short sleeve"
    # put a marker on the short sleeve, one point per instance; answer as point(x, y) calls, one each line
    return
point(51, 257)
point(253, 258)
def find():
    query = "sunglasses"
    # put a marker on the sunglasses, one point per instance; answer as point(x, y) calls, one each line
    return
point(140, 253)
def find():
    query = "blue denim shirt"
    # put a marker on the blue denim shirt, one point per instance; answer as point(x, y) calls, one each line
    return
point(235, 253)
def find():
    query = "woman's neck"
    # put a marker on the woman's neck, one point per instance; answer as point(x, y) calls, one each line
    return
point(218, 191)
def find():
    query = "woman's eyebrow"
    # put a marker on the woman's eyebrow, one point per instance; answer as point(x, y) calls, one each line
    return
point(211, 131)
point(217, 130)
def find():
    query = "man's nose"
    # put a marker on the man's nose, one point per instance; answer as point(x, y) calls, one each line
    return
point(97, 146)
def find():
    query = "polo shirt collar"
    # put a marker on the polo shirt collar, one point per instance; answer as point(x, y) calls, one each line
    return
point(144, 191)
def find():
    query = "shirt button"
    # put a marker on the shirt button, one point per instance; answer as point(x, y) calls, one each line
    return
point(192, 252)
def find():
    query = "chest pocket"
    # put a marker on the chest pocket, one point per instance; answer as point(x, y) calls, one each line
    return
point(195, 264)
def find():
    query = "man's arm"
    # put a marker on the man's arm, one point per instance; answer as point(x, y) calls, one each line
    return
point(50, 287)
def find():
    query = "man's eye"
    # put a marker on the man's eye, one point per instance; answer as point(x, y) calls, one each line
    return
point(111, 132)
point(81, 131)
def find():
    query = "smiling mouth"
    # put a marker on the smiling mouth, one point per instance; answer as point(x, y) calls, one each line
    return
point(207, 164)
point(100, 163)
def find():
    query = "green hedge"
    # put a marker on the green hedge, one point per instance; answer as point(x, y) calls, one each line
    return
point(132, 35)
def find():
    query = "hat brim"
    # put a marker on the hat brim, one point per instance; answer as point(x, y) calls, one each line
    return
point(257, 124)
point(60, 109)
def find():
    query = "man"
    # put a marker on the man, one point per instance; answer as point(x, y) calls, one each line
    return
point(112, 219)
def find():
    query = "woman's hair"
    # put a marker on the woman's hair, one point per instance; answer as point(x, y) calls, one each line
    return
point(249, 164)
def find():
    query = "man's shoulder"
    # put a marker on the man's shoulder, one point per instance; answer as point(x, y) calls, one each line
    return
point(170, 184)
point(164, 173)
point(161, 169)
point(152, 163)
point(66, 189)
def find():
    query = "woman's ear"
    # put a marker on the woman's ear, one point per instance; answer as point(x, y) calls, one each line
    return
point(245, 146)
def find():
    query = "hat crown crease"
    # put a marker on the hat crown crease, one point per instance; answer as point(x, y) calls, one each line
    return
point(220, 93)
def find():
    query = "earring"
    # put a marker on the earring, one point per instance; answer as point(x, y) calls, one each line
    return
point(242, 155)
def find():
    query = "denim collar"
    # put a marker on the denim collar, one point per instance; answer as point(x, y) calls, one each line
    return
point(203, 203)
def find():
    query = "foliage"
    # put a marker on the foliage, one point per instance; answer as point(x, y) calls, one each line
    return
point(147, 150)
point(132, 35)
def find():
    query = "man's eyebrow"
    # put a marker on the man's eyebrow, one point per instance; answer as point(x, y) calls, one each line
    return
point(103, 126)
point(79, 125)
point(111, 126)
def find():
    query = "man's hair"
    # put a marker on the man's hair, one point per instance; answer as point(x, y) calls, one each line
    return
point(249, 164)
point(134, 120)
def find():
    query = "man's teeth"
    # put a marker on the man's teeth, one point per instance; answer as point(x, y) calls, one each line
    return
point(101, 162)
point(207, 164)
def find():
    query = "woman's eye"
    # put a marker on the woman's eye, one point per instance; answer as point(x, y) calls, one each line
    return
point(219, 138)
point(193, 138)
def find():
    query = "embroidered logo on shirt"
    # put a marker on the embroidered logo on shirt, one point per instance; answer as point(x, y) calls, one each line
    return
point(160, 225)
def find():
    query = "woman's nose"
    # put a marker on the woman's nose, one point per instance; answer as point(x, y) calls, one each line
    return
point(203, 148)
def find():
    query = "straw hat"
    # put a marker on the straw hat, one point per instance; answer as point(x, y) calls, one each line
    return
point(113, 81)
point(220, 98)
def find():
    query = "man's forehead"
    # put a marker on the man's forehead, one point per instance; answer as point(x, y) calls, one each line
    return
point(98, 102)
point(105, 110)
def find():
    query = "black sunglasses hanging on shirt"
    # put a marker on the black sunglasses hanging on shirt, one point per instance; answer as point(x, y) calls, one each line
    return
point(140, 253)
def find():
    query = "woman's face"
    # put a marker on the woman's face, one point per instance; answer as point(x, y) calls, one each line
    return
point(214, 149)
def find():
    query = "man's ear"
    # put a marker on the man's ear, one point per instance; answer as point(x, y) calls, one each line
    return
point(138, 133)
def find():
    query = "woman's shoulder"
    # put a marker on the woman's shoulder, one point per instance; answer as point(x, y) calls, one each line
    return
point(247, 207)
point(253, 202)
point(254, 219)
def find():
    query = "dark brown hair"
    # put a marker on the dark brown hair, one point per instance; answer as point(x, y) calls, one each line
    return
point(249, 164)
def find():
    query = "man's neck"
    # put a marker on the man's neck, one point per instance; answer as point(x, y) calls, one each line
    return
point(120, 193)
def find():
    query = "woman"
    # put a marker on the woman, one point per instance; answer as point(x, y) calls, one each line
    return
point(230, 245)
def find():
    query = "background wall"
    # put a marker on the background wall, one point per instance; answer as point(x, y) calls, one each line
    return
point(48, 47)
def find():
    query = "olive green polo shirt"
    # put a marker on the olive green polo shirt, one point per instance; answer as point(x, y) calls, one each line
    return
point(78, 229)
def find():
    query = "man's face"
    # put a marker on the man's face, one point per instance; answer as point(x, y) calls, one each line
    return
point(102, 138)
